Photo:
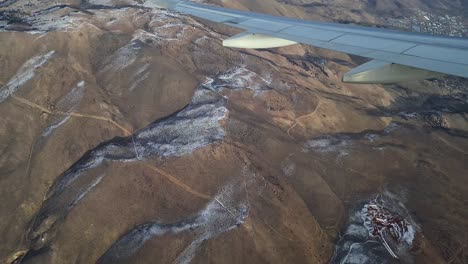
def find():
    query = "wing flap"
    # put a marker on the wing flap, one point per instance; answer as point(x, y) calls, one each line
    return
point(315, 33)
point(264, 25)
point(383, 72)
point(389, 45)
point(439, 53)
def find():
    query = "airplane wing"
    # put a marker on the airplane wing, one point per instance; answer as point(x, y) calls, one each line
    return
point(396, 56)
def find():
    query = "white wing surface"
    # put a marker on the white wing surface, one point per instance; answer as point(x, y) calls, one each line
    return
point(396, 56)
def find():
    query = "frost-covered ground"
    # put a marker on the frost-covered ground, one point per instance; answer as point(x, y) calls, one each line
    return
point(24, 74)
point(196, 126)
point(51, 16)
point(238, 78)
point(67, 104)
point(329, 144)
point(122, 58)
point(344, 144)
point(220, 215)
point(355, 246)
point(288, 167)
point(139, 76)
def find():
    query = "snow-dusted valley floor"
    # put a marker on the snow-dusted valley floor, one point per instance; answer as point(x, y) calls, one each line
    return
point(128, 134)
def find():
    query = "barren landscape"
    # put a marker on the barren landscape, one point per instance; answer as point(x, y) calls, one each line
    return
point(129, 134)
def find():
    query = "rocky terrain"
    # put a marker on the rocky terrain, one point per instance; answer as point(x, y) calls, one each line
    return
point(128, 134)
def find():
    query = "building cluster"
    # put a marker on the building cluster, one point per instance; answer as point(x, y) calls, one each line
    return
point(426, 22)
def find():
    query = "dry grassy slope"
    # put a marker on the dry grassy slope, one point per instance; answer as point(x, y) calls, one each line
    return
point(81, 55)
point(298, 197)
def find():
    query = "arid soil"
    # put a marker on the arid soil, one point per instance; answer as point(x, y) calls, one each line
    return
point(128, 134)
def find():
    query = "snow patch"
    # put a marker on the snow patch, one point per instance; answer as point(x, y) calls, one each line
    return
point(409, 115)
point(102, 2)
point(54, 126)
point(124, 57)
point(238, 78)
point(356, 230)
point(356, 255)
point(45, 23)
point(200, 39)
point(329, 144)
point(66, 104)
point(391, 128)
point(139, 76)
point(24, 74)
point(221, 214)
point(196, 126)
point(372, 137)
point(288, 167)
point(86, 190)
point(72, 99)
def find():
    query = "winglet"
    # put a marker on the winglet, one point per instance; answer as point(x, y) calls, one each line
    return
point(382, 72)
point(249, 40)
